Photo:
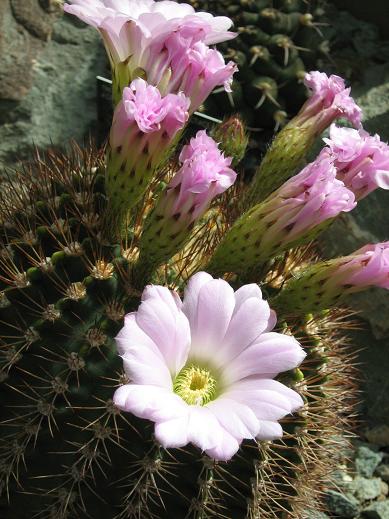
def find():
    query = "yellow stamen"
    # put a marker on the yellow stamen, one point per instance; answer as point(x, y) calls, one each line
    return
point(195, 385)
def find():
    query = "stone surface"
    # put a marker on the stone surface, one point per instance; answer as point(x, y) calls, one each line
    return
point(383, 472)
point(365, 489)
point(340, 504)
point(367, 460)
point(48, 68)
point(377, 510)
point(316, 515)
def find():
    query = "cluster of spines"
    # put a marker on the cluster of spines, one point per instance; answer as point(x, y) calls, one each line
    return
point(65, 292)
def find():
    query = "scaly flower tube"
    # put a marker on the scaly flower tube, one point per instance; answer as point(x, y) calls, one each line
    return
point(361, 160)
point(290, 216)
point(203, 368)
point(204, 174)
point(164, 42)
point(329, 100)
point(327, 283)
point(144, 128)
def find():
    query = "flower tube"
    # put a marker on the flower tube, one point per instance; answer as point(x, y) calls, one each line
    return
point(204, 174)
point(327, 283)
point(288, 217)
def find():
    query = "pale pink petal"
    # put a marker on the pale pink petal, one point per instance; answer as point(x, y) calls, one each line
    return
point(191, 295)
point(215, 306)
point(265, 404)
point(204, 430)
point(246, 292)
point(271, 353)
point(168, 327)
point(272, 321)
point(236, 418)
point(269, 431)
point(173, 433)
point(382, 179)
point(253, 384)
point(145, 366)
point(225, 450)
point(150, 402)
point(170, 297)
point(132, 334)
point(251, 319)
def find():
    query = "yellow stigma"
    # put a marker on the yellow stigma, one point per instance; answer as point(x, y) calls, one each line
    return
point(195, 385)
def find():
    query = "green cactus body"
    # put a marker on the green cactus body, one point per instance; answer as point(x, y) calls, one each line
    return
point(66, 452)
point(277, 39)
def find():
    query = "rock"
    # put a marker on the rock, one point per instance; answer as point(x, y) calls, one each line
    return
point(316, 515)
point(384, 489)
point(367, 460)
point(377, 510)
point(383, 472)
point(48, 68)
point(344, 505)
point(366, 489)
point(379, 435)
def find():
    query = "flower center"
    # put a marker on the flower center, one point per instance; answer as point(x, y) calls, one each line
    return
point(195, 385)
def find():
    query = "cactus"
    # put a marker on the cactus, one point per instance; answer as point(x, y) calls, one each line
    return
point(277, 42)
point(76, 252)
point(66, 450)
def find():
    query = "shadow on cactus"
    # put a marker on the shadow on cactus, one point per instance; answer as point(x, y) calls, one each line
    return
point(188, 397)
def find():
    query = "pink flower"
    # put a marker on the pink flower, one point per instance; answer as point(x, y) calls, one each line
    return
point(143, 108)
point(330, 100)
point(160, 40)
point(306, 200)
point(361, 160)
point(204, 174)
point(144, 127)
point(325, 284)
point(368, 266)
point(203, 369)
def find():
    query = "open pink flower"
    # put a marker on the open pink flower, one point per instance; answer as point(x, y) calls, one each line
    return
point(203, 369)
point(361, 160)
point(159, 41)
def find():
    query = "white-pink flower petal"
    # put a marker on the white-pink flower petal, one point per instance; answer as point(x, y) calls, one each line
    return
point(168, 327)
point(271, 353)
